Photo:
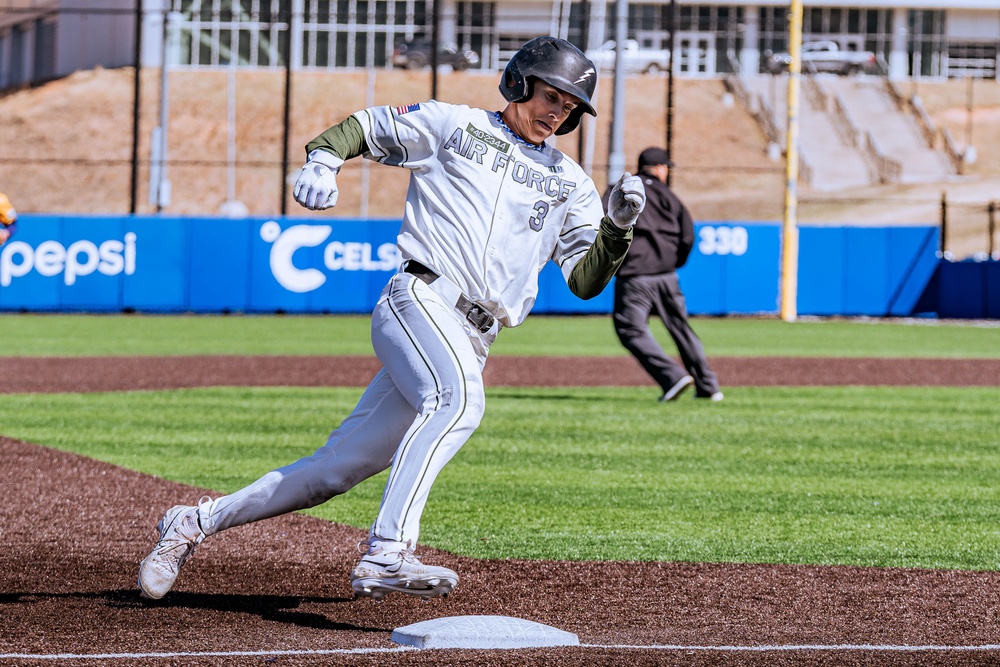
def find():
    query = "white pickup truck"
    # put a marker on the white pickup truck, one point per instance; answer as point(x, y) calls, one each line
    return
point(824, 56)
point(637, 60)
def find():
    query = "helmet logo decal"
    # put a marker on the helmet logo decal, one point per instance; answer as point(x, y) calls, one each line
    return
point(585, 75)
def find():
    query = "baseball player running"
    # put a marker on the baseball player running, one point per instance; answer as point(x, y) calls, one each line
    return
point(489, 203)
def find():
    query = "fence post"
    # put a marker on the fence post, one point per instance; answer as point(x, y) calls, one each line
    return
point(992, 227)
point(944, 221)
point(136, 110)
point(286, 115)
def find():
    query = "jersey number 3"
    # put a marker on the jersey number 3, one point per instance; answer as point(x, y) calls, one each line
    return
point(538, 219)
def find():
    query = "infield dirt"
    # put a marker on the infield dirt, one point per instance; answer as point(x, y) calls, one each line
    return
point(73, 530)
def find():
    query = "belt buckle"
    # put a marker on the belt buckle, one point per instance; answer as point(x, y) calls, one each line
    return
point(481, 318)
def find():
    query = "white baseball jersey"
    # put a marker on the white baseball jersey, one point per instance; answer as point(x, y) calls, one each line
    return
point(484, 209)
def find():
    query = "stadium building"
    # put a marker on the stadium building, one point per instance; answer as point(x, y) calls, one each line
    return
point(45, 39)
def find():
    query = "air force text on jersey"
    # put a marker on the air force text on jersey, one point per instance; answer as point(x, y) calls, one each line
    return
point(474, 144)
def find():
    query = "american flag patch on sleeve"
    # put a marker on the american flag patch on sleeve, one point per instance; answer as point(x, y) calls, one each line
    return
point(406, 109)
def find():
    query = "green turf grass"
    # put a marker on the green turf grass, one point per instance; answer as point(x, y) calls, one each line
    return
point(845, 475)
point(76, 335)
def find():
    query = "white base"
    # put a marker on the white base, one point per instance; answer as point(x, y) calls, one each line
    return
point(482, 632)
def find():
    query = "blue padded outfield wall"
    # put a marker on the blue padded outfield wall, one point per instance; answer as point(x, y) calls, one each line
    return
point(312, 265)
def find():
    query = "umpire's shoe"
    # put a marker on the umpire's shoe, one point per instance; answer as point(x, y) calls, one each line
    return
point(180, 532)
point(392, 566)
point(678, 387)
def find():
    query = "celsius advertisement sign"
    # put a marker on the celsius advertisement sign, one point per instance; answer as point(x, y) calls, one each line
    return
point(338, 255)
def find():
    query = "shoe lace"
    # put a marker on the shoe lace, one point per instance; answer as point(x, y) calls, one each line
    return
point(407, 553)
point(173, 553)
point(176, 552)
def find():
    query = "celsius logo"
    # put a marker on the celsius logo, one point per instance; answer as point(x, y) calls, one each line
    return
point(81, 258)
point(337, 255)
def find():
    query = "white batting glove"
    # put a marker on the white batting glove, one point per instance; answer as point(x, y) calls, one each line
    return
point(627, 200)
point(316, 186)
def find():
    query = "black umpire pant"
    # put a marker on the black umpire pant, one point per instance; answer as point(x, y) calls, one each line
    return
point(636, 298)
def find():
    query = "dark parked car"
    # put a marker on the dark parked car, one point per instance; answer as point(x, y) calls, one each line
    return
point(416, 54)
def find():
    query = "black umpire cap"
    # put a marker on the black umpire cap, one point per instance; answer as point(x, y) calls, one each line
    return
point(653, 156)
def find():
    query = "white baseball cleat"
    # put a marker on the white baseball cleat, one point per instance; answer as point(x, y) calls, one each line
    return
point(390, 567)
point(180, 533)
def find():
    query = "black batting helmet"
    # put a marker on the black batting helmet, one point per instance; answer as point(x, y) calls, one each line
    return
point(559, 64)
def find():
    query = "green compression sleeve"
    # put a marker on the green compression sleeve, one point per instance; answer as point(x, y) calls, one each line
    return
point(345, 140)
point(593, 273)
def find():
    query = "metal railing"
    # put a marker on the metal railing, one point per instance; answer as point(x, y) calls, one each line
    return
point(768, 122)
point(883, 169)
point(734, 63)
point(735, 85)
point(843, 122)
point(955, 155)
point(897, 96)
point(926, 125)
point(815, 93)
point(818, 97)
point(805, 167)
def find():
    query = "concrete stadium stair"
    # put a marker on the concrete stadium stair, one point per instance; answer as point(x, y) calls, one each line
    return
point(833, 163)
point(835, 166)
point(897, 132)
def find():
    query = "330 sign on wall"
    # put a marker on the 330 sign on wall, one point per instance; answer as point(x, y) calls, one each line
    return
point(723, 240)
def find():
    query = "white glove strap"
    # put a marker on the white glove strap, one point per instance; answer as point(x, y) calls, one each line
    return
point(325, 158)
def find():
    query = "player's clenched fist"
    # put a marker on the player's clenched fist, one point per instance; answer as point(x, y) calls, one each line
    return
point(316, 187)
point(627, 200)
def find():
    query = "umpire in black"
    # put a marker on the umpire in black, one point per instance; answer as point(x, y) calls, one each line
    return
point(647, 283)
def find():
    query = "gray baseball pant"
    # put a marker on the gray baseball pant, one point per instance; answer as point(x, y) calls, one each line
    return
point(414, 416)
point(636, 298)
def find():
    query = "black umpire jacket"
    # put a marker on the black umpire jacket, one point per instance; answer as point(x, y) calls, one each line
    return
point(663, 235)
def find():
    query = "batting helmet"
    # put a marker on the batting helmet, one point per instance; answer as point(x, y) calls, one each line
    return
point(559, 64)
